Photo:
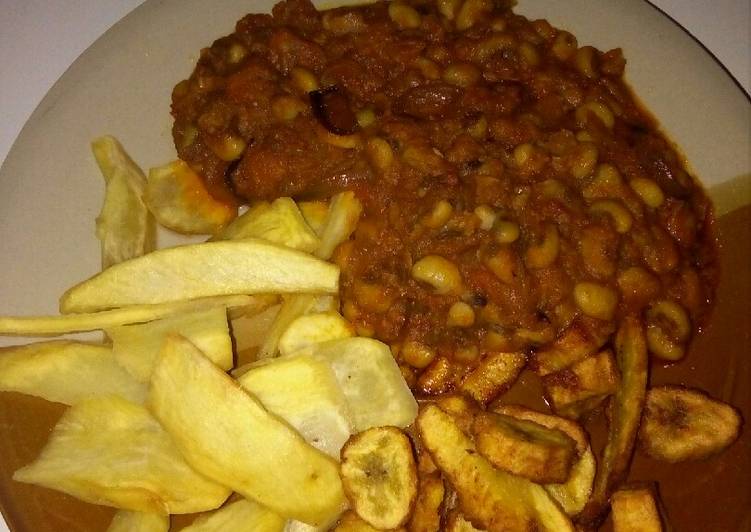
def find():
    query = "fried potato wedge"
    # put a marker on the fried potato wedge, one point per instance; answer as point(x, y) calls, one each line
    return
point(351, 522)
point(239, 516)
point(490, 498)
point(379, 476)
point(128, 521)
point(582, 338)
point(66, 372)
point(495, 375)
point(341, 219)
point(227, 435)
point(311, 329)
point(106, 319)
point(280, 222)
point(627, 406)
point(200, 270)
point(573, 494)
point(372, 383)
point(178, 199)
point(113, 452)
point(124, 226)
point(426, 516)
point(315, 213)
point(136, 347)
point(582, 386)
point(686, 424)
point(635, 509)
point(303, 391)
point(524, 448)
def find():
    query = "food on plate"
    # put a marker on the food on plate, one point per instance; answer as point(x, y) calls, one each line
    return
point(311, 329)
point(66, 372)
point(175, 195)
point(240, 516)
point(636, 509)
point(524, 448)
point(379, 476)
point(427, 513)
point(493, 376)
point(351, 522)
point(125, 227)
point(686, 424)
point(247, 448)
point(128, 521)
point(455, 522)
point(110, 451)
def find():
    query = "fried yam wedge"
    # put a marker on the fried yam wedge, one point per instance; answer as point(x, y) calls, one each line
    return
point(66, 372)
point(686, 424)
point(113, 452)
point(627, 406)
point(426, 516)
point(351, 522)
point(200, 270)
point(280, 222)
point(488, 497)
point(524, 448)
point(227, 435)
point(379, 476)
point(573, 494)
point(128, 521)
point(136, 347)
point(636, 509)
point(341, 219)
point(311, 329)
point(315, 213)
point(238, 516)
point(303, 391)
point(493, 376)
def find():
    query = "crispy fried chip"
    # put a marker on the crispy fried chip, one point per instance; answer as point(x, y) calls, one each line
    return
point(573, 494)
point(228, 436)
point(136, 347)
point(178, 199)
point(495, 375)
point(379, 476)
point(238, 516)
point(280, 222)
point(124, 226)
point(303, 391)
point(199, 270)
point(635, 509)
point(311, 329)
point(66, 372)
point(426, 516)
point(128, 521)
point(488, 497)
point(371, 381)
point(685, 424)
point(105, 319)
point(113, 452)
point(523, 447)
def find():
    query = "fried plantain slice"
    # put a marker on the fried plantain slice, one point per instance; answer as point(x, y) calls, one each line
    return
point(239, 516)
point(627, 406)
point(128, 521)
point(426, 516)
point(582, 338)
point(573, 494)
point(488, 497)
point(686, 424)
point(636, 509)
point(455, 522)
point(351, 522)
point(495, 375)
point(524, 448)
point(379, 476)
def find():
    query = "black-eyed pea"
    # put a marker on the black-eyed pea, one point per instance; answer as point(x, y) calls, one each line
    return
point(303, 79)
point(506, 232)
point(372, 297)
point(417, 354)
point(366, 117)
point(585, 161)
point(595, 300)
point(229, 148)
point(622, 219)
point(471, 12)
point(461, 74)
point(429, 69)
point(460, 315)
point(504, 264)
point(492, 45)
point(439, 214)
point(637, 285)
point(379, 153)
point(544, 253)
point(404, 16)
point(668, 330)
point(236, 53)
point(440, 273)
point(649, 191)
point(564, 46)
point(585, 61)
point(598, 109)
point(287, 107)
point(448, 8)
point(486, 215)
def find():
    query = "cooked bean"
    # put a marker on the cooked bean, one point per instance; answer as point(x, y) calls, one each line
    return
point(379, 153)
point(506, 232)
point(303, 79)
point(404, 16)
point(461, 74)
point(439, 215)
point(471, 12)
point(595, 300)
point(649, 191)
point(545, 253)
point(600, 110)
point(460, 315)
point(622, 219)
point(417, 354)
point(486, 216)
point(438, 272)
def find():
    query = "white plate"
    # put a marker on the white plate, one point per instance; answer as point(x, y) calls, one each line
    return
point(50, 189)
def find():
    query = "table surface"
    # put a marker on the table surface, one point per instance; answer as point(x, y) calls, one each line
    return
point(40, 39)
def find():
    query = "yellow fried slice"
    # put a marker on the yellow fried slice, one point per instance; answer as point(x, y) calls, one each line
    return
point(315, 214)
point(199, 270)
point(315, 328)
point(250, 331)
point(136, 347)
point(66, 372)
point(573, 494)
point(304, 392)
point(105, 319)
point(379, 476)
point(461, 408)
point(238, 516)
point(635, 509)
point(627, 406)
point(226, 434)
point(342, 217)
point(113, 452)
point(372, 383)
point(686, 424)
point(351, 522)
point(128, 521)
point(582, 338)
point(489, 498)
point(178, 199)
point(280, 222)
point(495, 375)
point(455, 522)
point(124, 226)
point(523, 447)
point(426, 516)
